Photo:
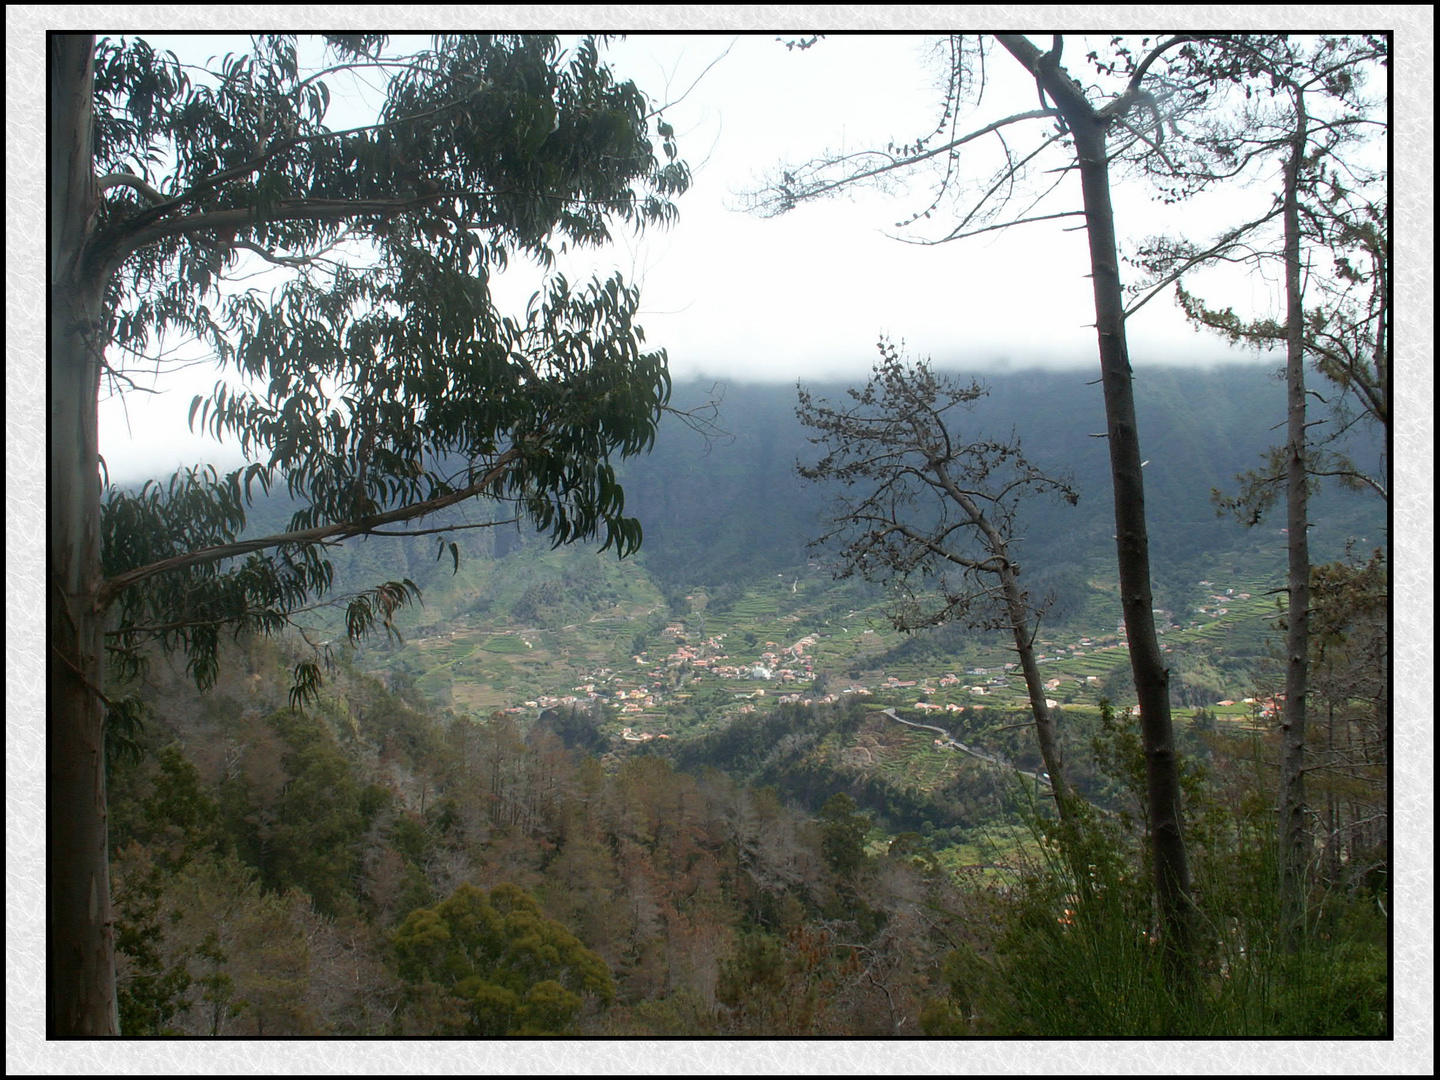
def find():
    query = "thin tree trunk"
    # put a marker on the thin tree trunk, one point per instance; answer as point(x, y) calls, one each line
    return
point(1018, 615)
point(1152, 679)
point(1293, 840)
point(80, 931)
point(1147, 662)
point(1045, 734)
point(1332, 801)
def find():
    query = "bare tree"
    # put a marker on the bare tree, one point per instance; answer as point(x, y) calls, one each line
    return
point(933, 514)
point(1083, 137)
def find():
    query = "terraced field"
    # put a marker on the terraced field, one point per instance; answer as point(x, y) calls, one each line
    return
point(903, 757)
point(484, 662)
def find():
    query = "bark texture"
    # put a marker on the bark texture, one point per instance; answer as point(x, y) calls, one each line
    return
point(81, 998)
point(1293, 846)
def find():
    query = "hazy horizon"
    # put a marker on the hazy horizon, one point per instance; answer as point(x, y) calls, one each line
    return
point(804, 296)
point(160, 453)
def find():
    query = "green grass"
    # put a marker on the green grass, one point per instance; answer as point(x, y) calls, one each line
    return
point(508, 644)
point(1077, 963)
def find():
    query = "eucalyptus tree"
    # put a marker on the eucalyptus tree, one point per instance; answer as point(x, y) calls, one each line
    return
point(929, 507)
point(387, 385)
point(1082, 131)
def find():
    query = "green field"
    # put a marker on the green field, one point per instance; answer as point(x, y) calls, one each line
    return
point(482, 663)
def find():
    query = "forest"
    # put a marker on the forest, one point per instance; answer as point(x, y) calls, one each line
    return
point(515, 688)
point(281, 872)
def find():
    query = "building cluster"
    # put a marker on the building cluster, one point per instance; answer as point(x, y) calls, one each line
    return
point(646, 685)
point(685, 659)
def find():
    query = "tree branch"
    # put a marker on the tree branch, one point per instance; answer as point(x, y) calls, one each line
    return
point(992, 228)
point(105, 183)
point(280, 145)
point(1225, 244)
point(114, 586)
point(442, 528)
point(820, 188)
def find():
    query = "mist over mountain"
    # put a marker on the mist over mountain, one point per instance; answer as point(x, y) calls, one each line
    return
point(732, 506)
point(723, 505)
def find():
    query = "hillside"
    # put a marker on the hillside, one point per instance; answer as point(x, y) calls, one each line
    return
point(728, 509)
point(710, 770)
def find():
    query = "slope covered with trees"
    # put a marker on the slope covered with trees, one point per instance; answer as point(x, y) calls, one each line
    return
point(374, 868)
point(718, 879)
point(731, 510)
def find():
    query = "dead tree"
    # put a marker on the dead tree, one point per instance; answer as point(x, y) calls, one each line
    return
point(930, 510)
point(1084, 137)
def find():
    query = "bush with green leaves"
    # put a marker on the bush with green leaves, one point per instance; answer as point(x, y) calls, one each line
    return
point(492, 964)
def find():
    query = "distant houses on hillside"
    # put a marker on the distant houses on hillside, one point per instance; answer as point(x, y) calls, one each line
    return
point(686, 657)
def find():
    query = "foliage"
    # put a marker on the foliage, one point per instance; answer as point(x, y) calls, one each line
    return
point(322, 814)
point(696, 905)
point(1321, 88)
point(396, 385)
point(774, 984)
point(842, 836)
point(505, 967)
point(1315, 120)
point(177, 823)
point(1349, 754)
point(153, 992)
point(1078, 957)
point(716, 910)
point(375, 378)
point(203, 950)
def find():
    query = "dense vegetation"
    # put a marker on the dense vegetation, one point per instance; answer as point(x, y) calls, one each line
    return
point(722, 511)
point(802, 866)
point(798, 870)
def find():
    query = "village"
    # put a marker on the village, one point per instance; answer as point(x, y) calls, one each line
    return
point(787, 673)
point(803, 671)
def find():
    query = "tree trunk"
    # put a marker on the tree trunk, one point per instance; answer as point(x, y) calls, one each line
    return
point(1331, 860)
point(1152, 679)
point(1292, 838)
point(1018, 615)
point(81, 979)
point(1035, 686)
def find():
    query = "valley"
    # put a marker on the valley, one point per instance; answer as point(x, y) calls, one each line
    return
point(724, 611)
point(725, 632)
point(470, 659)
point(711, 761)
point(796, 680)
point(781, 642)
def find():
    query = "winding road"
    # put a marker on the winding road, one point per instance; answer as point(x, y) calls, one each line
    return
point(1039, 778)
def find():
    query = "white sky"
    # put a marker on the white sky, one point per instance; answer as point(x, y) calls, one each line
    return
point(807, 294)
point(804, 296)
